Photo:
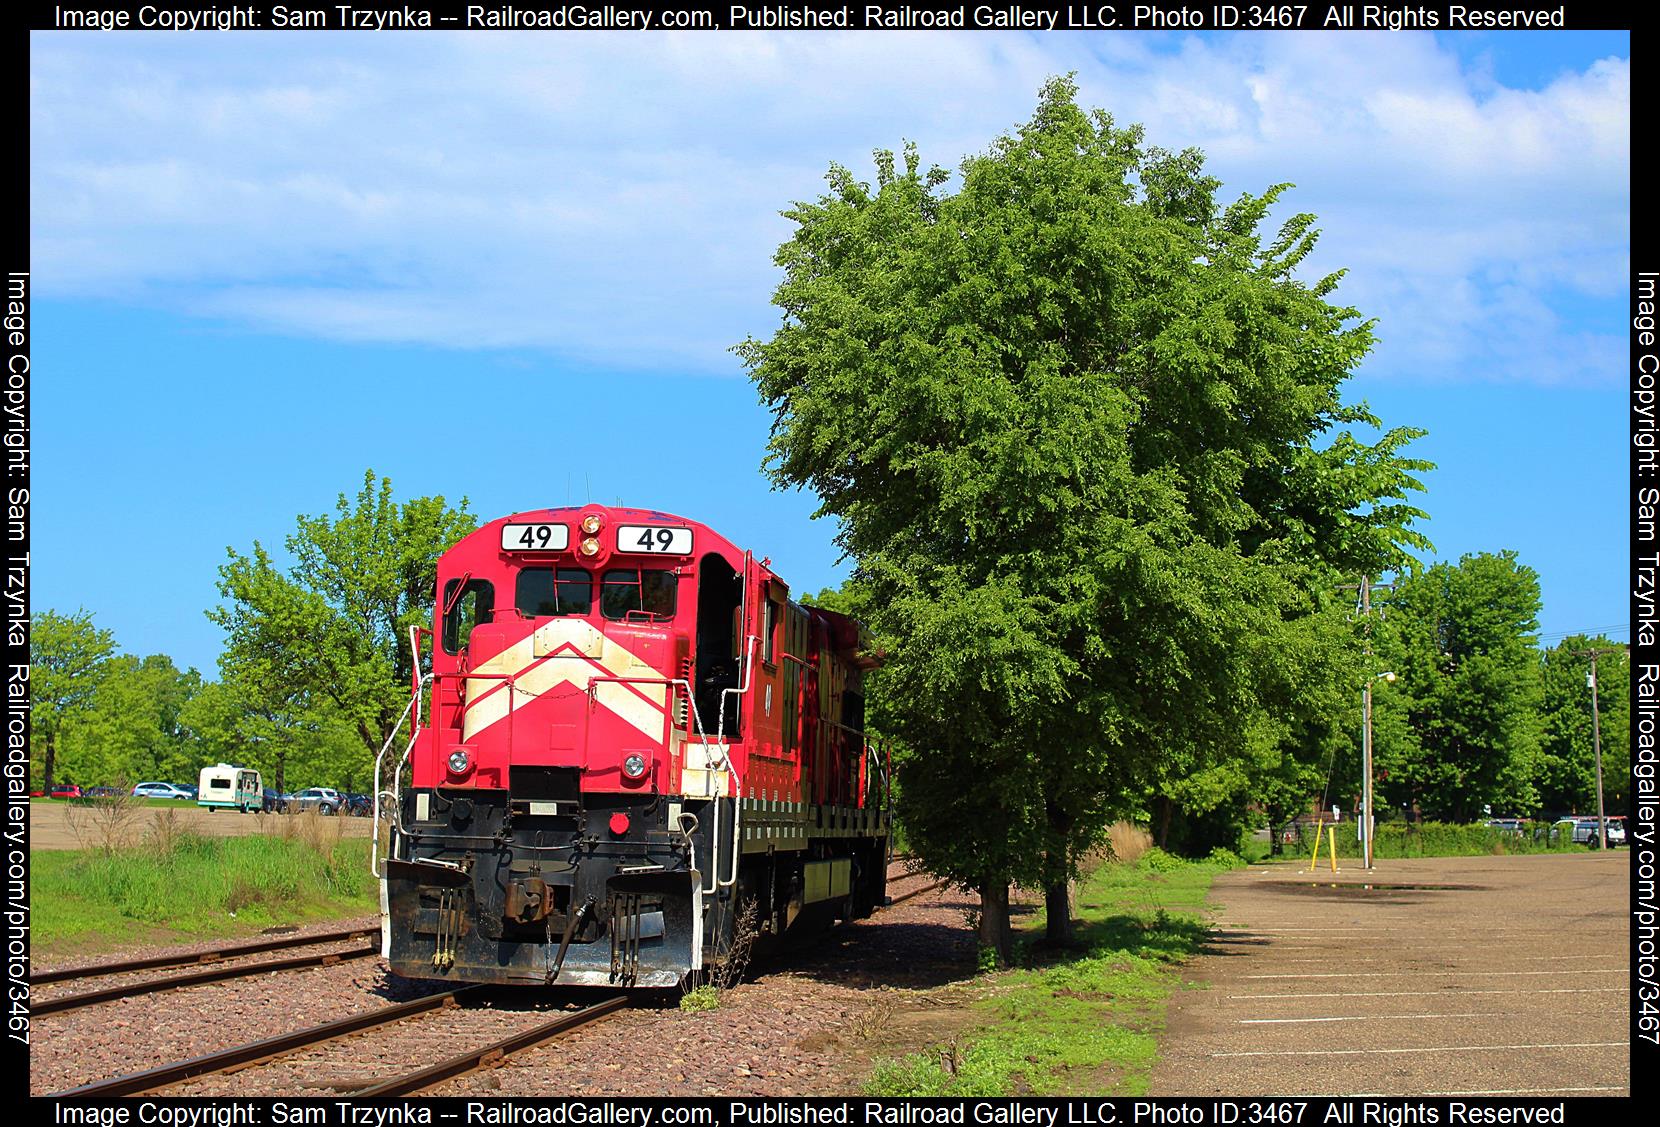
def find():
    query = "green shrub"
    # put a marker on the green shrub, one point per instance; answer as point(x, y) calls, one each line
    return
point(1158, 861)
point(700, 999)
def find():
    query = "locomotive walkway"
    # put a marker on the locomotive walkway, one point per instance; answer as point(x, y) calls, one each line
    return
point(1448, 976)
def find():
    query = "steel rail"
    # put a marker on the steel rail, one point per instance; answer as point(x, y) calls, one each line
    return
point(904, 896)
point(255, 1052)
point(218, 954)
point(413, 1082)
point(217, 974)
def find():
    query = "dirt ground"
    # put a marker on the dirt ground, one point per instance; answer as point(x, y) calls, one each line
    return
point(1436, 976)
point(56, 824)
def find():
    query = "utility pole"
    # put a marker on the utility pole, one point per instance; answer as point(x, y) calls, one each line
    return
point(1366, 819)
point(1367, 822)
point(1596, 738)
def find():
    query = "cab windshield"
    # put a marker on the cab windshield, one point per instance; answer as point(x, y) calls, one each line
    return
point(638, 594)
point(543, 592)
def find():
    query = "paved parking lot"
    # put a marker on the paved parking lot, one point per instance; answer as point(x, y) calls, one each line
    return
point(1448, 976)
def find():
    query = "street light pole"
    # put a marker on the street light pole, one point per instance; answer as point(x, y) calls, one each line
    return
point(1368, 822)
point(1366, 766)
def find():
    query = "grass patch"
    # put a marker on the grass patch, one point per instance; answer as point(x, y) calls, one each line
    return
point(194, 885)
point(1084, 1021)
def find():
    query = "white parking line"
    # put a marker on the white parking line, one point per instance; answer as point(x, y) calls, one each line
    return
point(1472, 973)
point(1347, 958)
point(1439, 993)
point(1243, 929)
point(1427, 1049)
point(1363, 1017)
point(1534, 1091)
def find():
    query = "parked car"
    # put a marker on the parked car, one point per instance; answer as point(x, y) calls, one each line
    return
point(1584, 830)
point(359, 805)
point(102, 792)
point(273, 801)
point(326, 800)
point(66, 790)
point(163, 790)
point(1506, 825)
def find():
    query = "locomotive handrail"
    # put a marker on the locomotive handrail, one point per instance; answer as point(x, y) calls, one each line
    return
point(749, 683)
point(393, 794)
point(512, 679)
point(737, 780)
point(724, 752)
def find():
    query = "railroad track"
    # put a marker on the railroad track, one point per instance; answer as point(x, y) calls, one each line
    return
point(906, 873)
point(211, 959)
point(273, 1049)
point(910, 893)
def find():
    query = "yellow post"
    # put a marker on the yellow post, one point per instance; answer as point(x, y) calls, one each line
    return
point(1314, 861)
point(1332, 852)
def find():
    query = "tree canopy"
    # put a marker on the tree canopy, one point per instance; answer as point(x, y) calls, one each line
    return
point(1457, 731)
point(1081, 429)
point(323, 646)
point(68, 660)
point(1566, 777)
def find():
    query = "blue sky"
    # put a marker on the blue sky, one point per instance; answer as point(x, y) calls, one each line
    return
point(510, 267)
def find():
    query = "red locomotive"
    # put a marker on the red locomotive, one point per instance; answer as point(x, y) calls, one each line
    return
point(629, 736)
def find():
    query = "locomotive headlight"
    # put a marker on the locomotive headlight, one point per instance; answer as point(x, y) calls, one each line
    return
point(459, 762)
point(590, 546)
point(591, 523)
point(635, 766)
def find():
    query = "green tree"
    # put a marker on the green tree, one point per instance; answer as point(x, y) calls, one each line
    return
point(131, 730)
point(325, 643)
point(1074, 421)
point(1458, 730)
point(293, 740)
point(68, 657)
point(1567, 779)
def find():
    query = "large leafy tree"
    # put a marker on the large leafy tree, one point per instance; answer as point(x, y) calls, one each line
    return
point(1566, 777)
point(324, 643)
point(1075, 420)
point(1458, 730)
point(132, 729)
point(68, 658)
point(293, 739)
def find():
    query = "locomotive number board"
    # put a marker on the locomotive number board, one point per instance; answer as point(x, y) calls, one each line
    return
point(654, 539)
point(535, 537)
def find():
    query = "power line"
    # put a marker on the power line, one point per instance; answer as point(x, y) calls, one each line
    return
point(1589, 631)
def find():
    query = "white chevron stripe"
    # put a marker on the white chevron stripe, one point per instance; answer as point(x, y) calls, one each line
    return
point(567, 642)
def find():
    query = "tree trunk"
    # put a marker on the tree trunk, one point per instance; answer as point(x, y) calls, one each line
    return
point(1165, 810)
point(994, 921)
point(1057, 904)
point(51, 761)
point(1057, 900)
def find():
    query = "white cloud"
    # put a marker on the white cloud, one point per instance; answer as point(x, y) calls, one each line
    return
point(614, 197)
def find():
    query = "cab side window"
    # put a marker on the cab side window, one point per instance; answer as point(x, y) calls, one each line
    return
point(769, 632)
point(465, 607)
